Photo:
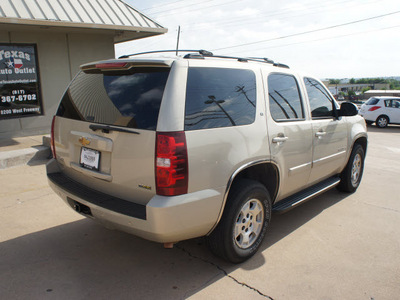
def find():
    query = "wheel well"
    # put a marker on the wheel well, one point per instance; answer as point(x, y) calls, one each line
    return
point(267, 174)
point(363, 142)
point(386, 116)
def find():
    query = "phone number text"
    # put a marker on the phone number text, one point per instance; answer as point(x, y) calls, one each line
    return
point(20, 98)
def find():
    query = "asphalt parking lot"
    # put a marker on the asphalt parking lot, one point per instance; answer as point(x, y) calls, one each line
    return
point(336, 246)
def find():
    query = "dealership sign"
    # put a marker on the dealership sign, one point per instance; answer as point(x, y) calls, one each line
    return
point(19, 81)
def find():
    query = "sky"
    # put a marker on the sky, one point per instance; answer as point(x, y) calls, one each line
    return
point(329, 39)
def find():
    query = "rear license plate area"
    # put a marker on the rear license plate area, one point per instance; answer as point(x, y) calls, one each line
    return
point(90, 159)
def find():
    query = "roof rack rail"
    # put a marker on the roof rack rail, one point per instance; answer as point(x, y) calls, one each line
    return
point(263, 59)
point(279, 65)
point(202, 52)
point(209, 54)
point(241, 59)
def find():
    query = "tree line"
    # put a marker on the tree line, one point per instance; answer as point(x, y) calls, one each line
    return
point(394, 84)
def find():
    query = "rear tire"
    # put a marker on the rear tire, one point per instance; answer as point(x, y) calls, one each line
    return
point(244, 222)
point(352, 174)
point(382, 121)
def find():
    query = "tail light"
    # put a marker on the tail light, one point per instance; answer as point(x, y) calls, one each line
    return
point(116, 65)
point(106, 66)
point(373, 108)
point(171, 164)
point(53, 148)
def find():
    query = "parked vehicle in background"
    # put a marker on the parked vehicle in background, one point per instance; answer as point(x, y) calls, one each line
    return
point(381, 110)
point(175, 148)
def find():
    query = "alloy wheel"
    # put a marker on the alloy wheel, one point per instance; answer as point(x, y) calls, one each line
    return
point(356, 170)
point(249, 223)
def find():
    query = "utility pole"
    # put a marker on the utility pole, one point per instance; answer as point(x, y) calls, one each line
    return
point(240, 89)
point(218, 103)
point(177, 42)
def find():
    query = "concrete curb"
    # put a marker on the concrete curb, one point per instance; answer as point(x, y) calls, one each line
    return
point(25, 156)
point(15, 158)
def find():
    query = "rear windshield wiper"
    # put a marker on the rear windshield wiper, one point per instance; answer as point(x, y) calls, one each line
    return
point(108, 128)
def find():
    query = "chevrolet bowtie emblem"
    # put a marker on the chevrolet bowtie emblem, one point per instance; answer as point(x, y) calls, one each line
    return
point(84, 141)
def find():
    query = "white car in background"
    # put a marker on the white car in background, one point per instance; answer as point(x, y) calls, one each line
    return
point(381, 110)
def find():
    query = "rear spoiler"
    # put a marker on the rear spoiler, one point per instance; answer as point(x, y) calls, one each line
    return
point(118, 65)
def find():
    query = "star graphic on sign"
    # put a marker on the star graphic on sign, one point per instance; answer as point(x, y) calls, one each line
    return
point(9, 64)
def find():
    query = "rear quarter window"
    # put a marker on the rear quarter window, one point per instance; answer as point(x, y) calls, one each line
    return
point(372, 101)
point(128, 98)
point(217, 97)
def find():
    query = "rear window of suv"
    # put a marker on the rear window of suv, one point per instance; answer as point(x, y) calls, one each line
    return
point(125, 98)
point(218, 97)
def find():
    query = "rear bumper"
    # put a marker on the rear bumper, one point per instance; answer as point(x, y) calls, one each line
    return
point(368, 116)
point(163, 219)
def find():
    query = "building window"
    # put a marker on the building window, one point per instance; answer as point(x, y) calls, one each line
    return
point(20, 94)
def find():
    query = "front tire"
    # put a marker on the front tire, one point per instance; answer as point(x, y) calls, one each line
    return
point(352, 174)
point(244, 222)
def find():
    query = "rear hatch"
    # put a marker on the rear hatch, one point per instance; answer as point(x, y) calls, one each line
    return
point(105, 127)
point(369, 104)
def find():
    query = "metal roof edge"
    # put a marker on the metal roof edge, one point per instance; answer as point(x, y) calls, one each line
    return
point(130, 36)
point(139, 12)
point(381, 91)
point(18, 21)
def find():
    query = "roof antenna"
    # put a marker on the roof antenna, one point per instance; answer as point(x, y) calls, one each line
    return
point(177, 42)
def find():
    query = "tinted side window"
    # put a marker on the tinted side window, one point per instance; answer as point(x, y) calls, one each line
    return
point(284, 98)
point(219, 98)
point(129, 98)
point(392, 103)
point(320, 102)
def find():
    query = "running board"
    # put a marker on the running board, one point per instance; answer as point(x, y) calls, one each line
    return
point(301, 197)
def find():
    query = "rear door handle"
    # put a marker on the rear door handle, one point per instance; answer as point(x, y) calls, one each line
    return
point(280, 139)
point(320, 133)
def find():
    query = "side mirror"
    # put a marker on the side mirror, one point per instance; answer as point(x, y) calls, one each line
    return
point(348, 109)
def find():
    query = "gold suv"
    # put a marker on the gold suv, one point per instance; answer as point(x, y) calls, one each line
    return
point(174, 148)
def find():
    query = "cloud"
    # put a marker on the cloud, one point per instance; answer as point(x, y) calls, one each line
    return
point(152, 97)
point(119, 85)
